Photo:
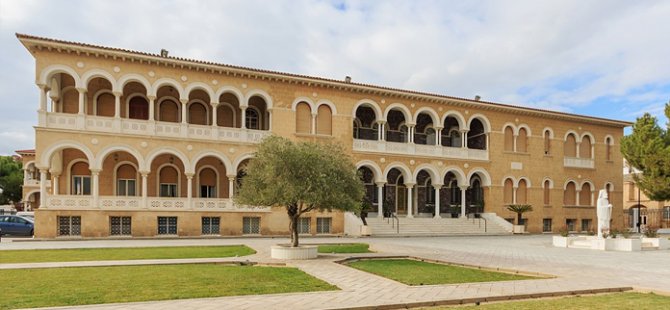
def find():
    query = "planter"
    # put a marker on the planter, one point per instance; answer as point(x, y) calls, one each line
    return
point(660, 243)
point(300, 252)
point(626, 245)
point(519, 229)
point(560, 241)
point(366, 230)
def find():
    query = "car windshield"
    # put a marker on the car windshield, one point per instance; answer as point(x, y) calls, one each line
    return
point(27, 219)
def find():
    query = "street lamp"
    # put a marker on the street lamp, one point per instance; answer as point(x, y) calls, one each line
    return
point(639, 215)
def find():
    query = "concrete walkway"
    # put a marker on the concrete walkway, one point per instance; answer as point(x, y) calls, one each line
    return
point(575, 270)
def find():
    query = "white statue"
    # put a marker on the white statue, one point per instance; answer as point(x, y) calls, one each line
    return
point(604, 212)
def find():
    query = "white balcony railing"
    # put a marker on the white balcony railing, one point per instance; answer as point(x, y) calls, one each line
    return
point(151, 128)
point(35, 183)
point(574, 162)
point(419, 150)
point(134, 203)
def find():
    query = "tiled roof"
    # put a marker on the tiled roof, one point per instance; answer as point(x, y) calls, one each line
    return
point(320, 79)
point(25, 152)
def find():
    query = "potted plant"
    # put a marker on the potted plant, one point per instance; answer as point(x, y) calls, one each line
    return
point(519, 209)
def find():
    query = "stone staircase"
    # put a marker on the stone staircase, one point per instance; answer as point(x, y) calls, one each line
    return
point(434, 227)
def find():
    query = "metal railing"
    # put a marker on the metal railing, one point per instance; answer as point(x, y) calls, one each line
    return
point(395, 220)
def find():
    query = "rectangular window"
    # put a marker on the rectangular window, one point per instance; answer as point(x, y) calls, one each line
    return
point(251, 225)
point(168, 190)
point(666, 213)
point(211, 225)
point(120, 225)
point(207, 191)
point(586, 224)
point(125, 187)
point(81, 185)
point(323, 225)
point(571, 224)
point(167, 225)
point(69, 225)
point(304, 225)
point(546, 225)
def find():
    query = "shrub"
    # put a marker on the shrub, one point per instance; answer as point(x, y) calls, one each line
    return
point(651, 232)
point(614, 233)
point(625, 233)
point(564, 232)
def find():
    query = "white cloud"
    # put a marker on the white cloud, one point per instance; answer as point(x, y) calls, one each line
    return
point(550, 54)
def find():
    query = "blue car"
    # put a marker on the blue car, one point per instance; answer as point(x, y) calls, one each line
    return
point(16, 225)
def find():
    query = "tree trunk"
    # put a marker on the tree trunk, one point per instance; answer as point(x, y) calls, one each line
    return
point(294, 230)
point(518, 218)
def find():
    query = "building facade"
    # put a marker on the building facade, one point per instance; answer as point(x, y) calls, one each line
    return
point(143, 145)
point(31, 181)
point(638, 208)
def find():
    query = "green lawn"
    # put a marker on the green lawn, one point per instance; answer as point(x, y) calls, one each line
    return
point(24, 288)
point(344, 248)
point(412, 272)
point(616, 301)
point(70, 255)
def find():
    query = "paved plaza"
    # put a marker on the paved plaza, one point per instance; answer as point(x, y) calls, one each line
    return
point(575, 270)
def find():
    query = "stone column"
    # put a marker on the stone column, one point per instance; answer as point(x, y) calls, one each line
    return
point(410, 199)
point(515, 187)
point(95, 187)
point(214, 105)
point(380, 130)
point(43, 188)
point(577, 194)
point(54, 184)
point(270, 120)
point(231, 186)
point(516, 136)
point(463, 189)
point(313, 124)
point(184, 107)
point(438, 136)
point(437, 188)
point(380, 199)
point(189, 189)
point(117, 104)
point(145, 189)
point(82, 99)
point(244, 117)
point(152, 107)
point(464, 138)
point(410, 130)
point(43, 98)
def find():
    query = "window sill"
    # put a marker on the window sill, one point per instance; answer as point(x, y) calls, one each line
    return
point(579, 207)
point(548, 206)
point(548, 155)
point(517, 153)
point(312, 135)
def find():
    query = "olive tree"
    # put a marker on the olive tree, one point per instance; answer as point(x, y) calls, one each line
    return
point(300, 177)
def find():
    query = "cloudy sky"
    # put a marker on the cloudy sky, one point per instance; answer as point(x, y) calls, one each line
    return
point(601, 58)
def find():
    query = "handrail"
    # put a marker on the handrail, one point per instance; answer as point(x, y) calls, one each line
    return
point(480, 221)
point(395, 218)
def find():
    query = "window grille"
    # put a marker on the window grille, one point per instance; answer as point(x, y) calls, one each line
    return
point(323, 225)
point(251, 225)
point(69, 225)
point(167, 225)
point(211, 225)
point(304, 225)
point(120, 225)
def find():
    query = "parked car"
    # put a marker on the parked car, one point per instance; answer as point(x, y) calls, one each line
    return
point(16, 225)
point(27, 214)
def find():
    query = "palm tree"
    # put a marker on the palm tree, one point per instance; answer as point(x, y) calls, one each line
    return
point(519, 210)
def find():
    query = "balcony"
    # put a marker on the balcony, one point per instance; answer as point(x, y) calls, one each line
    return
point(34, 183)
point(375, 146)
point(574, 162)
point(152, 128)
point(120, 203)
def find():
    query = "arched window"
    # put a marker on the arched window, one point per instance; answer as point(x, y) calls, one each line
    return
point(569, 195)
point(547, 142)
point(197, 114)
point(455, 138)
point(70, 101)
point(522, 192)
point(365, 124)
point(207, 180)
point(368, 179)
point(126, 180)
point(570, 146)
point(547, 192)
point(608, 149)
point(303, 118)
point(508, 195)
point(476, 136)
point(509, 139)
point(168, 111)
point(168, 179)
point(585, 195)
point(81, 179)
point(522, 141)
point(451, 136)
point(105, 104)
point(396, 128)
point(252, 119)
point(138, 108)
point(324, 120)
point(585, 147)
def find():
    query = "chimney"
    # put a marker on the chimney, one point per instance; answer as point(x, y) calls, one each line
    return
point(164, 52)
point(477, 97)
point(347, 79)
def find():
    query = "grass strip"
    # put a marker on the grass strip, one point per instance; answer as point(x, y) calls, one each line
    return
point(345, 248)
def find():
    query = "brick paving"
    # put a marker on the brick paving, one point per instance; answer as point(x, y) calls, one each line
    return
point(575, 270)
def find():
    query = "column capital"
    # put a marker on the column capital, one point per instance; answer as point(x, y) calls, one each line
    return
point(381, 121)
point(41, 86)
point(81, 89)
point(438, 127)
point(437, 186)
point(410, 185)
point(117, 93)
point(95, 171)
point(144, 174)
point(214, 104)
point(189, 175)
point(380, 183)
point(183, 100)
point(151, 97)
point(464, 187)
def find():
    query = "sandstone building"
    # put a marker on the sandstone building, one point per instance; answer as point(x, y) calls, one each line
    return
point(137, 144)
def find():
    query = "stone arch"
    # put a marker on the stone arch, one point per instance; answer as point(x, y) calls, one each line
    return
point(132, 77)
point(432, 171)
point(551, 132)
point(433, 115)
point(306, 100)
point(330, 104)
point(201, 86)
point(229, 89)
point(49, 71)
point(379, 176)
point(481, 118)
point(565, 185)
point(515, 182)
point(97, 164)
point(551, 182)
point(94, 73)
point(457, 115)
point(168, 82)
point(240, 159)
point(528, 184)
point(167, 150)
point(399, 106)
point(524, 126)
point(259, 93)
point(483, 175)
point(406, 172)
point(567, 133)
point(220, 156)
point(49, 151)
point(460, 175)
point(370, 103)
